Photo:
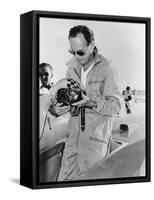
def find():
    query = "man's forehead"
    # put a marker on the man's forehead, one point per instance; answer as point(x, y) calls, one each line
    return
point(46, 69)
point(78, 40)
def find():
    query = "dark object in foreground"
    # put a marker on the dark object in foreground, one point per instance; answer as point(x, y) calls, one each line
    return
point(123, 128)
point(82, 118)
point(90, 105)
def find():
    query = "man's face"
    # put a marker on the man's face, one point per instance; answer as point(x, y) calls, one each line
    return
point(79, 44)
point(46, 75)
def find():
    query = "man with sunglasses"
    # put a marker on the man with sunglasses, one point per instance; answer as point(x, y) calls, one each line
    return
point(84, 148)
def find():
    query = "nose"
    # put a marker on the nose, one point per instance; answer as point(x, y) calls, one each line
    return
point(43, 76)
point(77, 56)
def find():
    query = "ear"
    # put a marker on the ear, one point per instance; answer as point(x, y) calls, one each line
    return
point(92, 45)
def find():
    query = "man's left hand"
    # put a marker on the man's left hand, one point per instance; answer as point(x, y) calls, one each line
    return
point(82, 102)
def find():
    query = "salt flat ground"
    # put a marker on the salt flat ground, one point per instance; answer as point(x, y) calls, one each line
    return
point(135, 121)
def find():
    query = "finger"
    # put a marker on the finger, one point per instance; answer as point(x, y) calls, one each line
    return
point(83, 101)
point(62, 109)
point(66, 107)
point(65, 111)
point(59, 104)
point(83, 95)
point(60, 112)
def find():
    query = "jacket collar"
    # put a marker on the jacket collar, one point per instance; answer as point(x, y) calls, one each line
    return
point(98, 58)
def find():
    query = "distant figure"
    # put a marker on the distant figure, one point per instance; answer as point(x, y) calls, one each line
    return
point(127, 98)
point(45, 77)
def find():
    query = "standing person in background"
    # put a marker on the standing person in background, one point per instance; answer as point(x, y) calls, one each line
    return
point(48, 168)
point(83, 149)
point(127, 99)
point(45, 77)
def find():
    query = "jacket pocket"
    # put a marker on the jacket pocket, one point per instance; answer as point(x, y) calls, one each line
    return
point(97, 86)
point(98, 140)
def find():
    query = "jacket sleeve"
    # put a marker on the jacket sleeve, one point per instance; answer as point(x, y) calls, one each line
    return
point(109, 103)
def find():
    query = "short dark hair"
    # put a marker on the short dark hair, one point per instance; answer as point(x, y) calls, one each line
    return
point(87, 33)
point(127, 88)
point(44, 65)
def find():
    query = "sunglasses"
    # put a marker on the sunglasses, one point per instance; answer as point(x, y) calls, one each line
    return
point(80, 52)
point(44, 74)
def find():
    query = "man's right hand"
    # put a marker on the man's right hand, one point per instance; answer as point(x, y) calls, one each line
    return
point(57, 110)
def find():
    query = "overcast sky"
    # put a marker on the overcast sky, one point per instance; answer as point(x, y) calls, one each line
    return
point(121, 43)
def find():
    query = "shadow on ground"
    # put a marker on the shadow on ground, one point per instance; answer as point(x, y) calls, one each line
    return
point(15, 180)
